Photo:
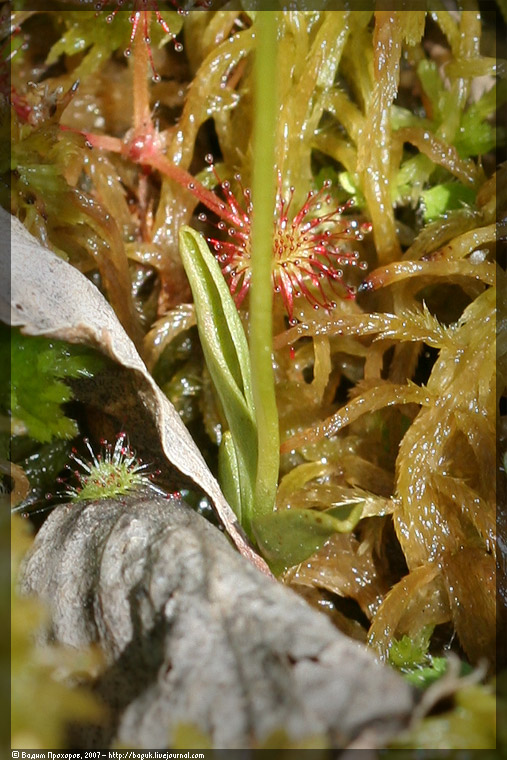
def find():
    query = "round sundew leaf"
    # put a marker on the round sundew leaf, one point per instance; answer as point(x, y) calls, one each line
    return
point(289, 536)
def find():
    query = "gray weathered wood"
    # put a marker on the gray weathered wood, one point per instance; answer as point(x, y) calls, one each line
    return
point(193, 633)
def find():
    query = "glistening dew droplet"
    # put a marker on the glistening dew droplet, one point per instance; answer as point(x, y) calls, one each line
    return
point(141, 13)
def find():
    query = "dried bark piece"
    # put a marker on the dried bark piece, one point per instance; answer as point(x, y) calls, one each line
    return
point(192, 633)
point(50, 297)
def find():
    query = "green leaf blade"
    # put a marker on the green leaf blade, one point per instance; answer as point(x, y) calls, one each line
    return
point(38, 393)
point(229, 473)
point(226, 353)
point(217, 311)
point(289, 536)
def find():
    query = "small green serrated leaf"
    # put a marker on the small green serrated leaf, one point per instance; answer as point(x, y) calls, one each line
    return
point(424, 676)
point(476, 135)
point(410, 651)
point(439, 199)
point(410, 655)
point(289, 536)
point(38, 367)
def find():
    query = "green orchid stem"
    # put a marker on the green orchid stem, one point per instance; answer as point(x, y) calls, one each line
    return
point(261, 293)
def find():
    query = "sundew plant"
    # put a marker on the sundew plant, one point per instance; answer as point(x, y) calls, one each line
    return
point(294, 215)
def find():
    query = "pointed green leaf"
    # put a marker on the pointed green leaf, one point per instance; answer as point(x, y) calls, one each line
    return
point(218, 312)
point(229, 474)
point(226, 353)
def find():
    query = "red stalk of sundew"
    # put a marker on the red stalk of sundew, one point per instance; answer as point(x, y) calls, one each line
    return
point(145, 149)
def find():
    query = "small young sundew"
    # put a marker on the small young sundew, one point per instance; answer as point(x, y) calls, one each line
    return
point(116, 471)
